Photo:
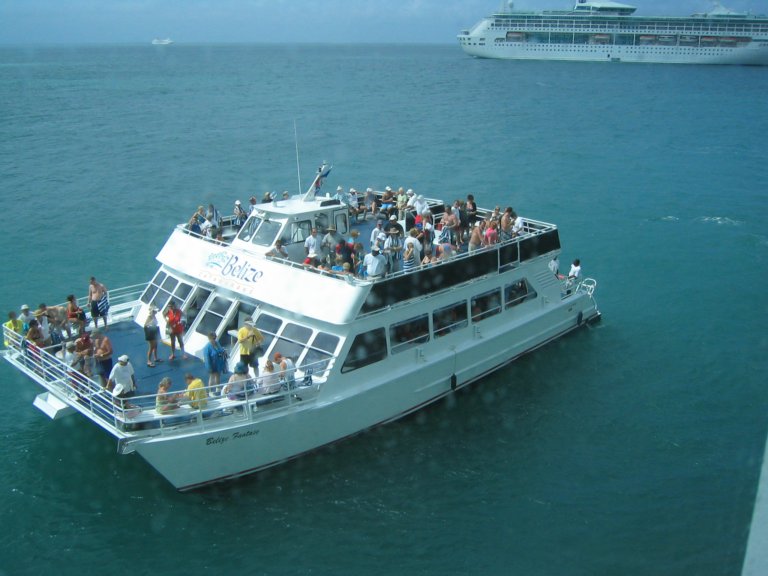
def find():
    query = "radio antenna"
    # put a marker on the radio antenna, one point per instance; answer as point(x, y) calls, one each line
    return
point(298, 168)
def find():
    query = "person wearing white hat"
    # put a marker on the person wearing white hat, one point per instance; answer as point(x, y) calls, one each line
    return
point(240, 214)
point(122, 381)
point(25, 317)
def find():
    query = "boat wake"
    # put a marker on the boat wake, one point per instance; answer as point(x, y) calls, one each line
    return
point(719, 220)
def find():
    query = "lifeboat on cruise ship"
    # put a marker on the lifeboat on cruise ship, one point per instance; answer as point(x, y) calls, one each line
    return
point(646, 39)
point(689, 40)
point(600, 39)
point(708, 40)
point(667, 40)
point(515, 37)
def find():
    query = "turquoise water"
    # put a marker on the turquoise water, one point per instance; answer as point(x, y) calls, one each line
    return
point(632, 447)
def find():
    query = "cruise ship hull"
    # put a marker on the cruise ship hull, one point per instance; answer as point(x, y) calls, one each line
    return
point(756, 55)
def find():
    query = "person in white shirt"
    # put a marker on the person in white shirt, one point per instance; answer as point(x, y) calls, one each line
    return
point(375, 264)
point(122, 380)
point(575, 272)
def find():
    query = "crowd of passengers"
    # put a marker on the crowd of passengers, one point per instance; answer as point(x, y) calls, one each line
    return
point(88, 353)
point(430, 239)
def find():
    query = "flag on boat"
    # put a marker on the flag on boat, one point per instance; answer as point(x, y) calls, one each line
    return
point(317, 183)
point(322, 174)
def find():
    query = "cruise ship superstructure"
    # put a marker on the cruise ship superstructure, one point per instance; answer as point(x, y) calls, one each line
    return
point(611, 32)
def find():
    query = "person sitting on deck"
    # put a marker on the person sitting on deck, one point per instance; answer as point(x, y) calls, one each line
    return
point(369, 202)
point(387, 200)
point(196, 393)
point(270, 380)
point(355, 207)
point(234, 389)
point(575, 272)
point(165, 402)
point(287, 370)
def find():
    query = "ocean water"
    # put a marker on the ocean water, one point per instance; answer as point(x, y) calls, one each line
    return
point(631, 447)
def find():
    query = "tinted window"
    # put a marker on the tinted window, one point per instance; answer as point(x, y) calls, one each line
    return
point(449, 318)
point(408, 334)
point(367, 348)
point(517, 293)
point(485, 305)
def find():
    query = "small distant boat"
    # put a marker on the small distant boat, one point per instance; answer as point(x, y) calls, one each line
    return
point(161, 41)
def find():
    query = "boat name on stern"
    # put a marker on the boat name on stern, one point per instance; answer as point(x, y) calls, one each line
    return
point(213, 440)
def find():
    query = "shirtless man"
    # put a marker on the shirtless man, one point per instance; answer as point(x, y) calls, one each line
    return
point(103, 356)
point(97, 291)
point(476, 238)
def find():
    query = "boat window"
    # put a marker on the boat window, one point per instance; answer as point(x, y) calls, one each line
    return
point(299, 232)
point(268, 326)
point(213, 315)
point(405, 335)
point(162, 289)
point(341, 223)
point(151, 289)
point(266, 234)
point(321, 222)
point(292, 341)
point(517, 293)
point(450, 318)
point(249, 228)
point(366, 348)
point(320, 353)
point(195, 304)
point(485, 305)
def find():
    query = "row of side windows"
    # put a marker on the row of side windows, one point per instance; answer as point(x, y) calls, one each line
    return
point(371, 347)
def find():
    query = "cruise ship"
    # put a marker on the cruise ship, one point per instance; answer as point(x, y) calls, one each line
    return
point(610, 32)
point(365, 349)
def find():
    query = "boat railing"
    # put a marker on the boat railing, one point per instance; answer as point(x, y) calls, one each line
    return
point(138, 416)
point(571, 286)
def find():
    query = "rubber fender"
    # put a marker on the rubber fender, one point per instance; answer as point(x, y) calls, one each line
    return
point(580, 318)
point(453, 381)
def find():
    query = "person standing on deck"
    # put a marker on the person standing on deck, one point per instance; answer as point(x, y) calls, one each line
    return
point(25, 317)
point(215, 362)
point(175, 329)
point(575, 272)
point(102, 353)
point(98, 300)
point(250, 340)
point(13, 324)
point(122, 379)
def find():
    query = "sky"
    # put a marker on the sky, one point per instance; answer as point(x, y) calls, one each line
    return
point(277, 21)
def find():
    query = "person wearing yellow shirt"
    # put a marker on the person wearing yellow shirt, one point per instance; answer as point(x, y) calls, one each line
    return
point(196, 393)
point(13, 324)
point(250, 340)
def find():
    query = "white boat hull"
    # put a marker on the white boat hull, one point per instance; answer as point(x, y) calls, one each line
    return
point(384, 393)
point(752, 55)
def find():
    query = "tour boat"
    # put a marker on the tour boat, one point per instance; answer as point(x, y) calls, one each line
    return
point(365, 350)
point(605, 31)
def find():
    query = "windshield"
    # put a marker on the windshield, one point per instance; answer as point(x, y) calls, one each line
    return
point(259, 231)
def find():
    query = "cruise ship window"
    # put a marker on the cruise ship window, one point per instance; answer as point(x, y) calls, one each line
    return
point(450, 318)
point(366, 348)
point(518, 292)
point(486, 305)
point(412, 332)
point(151, 289)
point(195, 304)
